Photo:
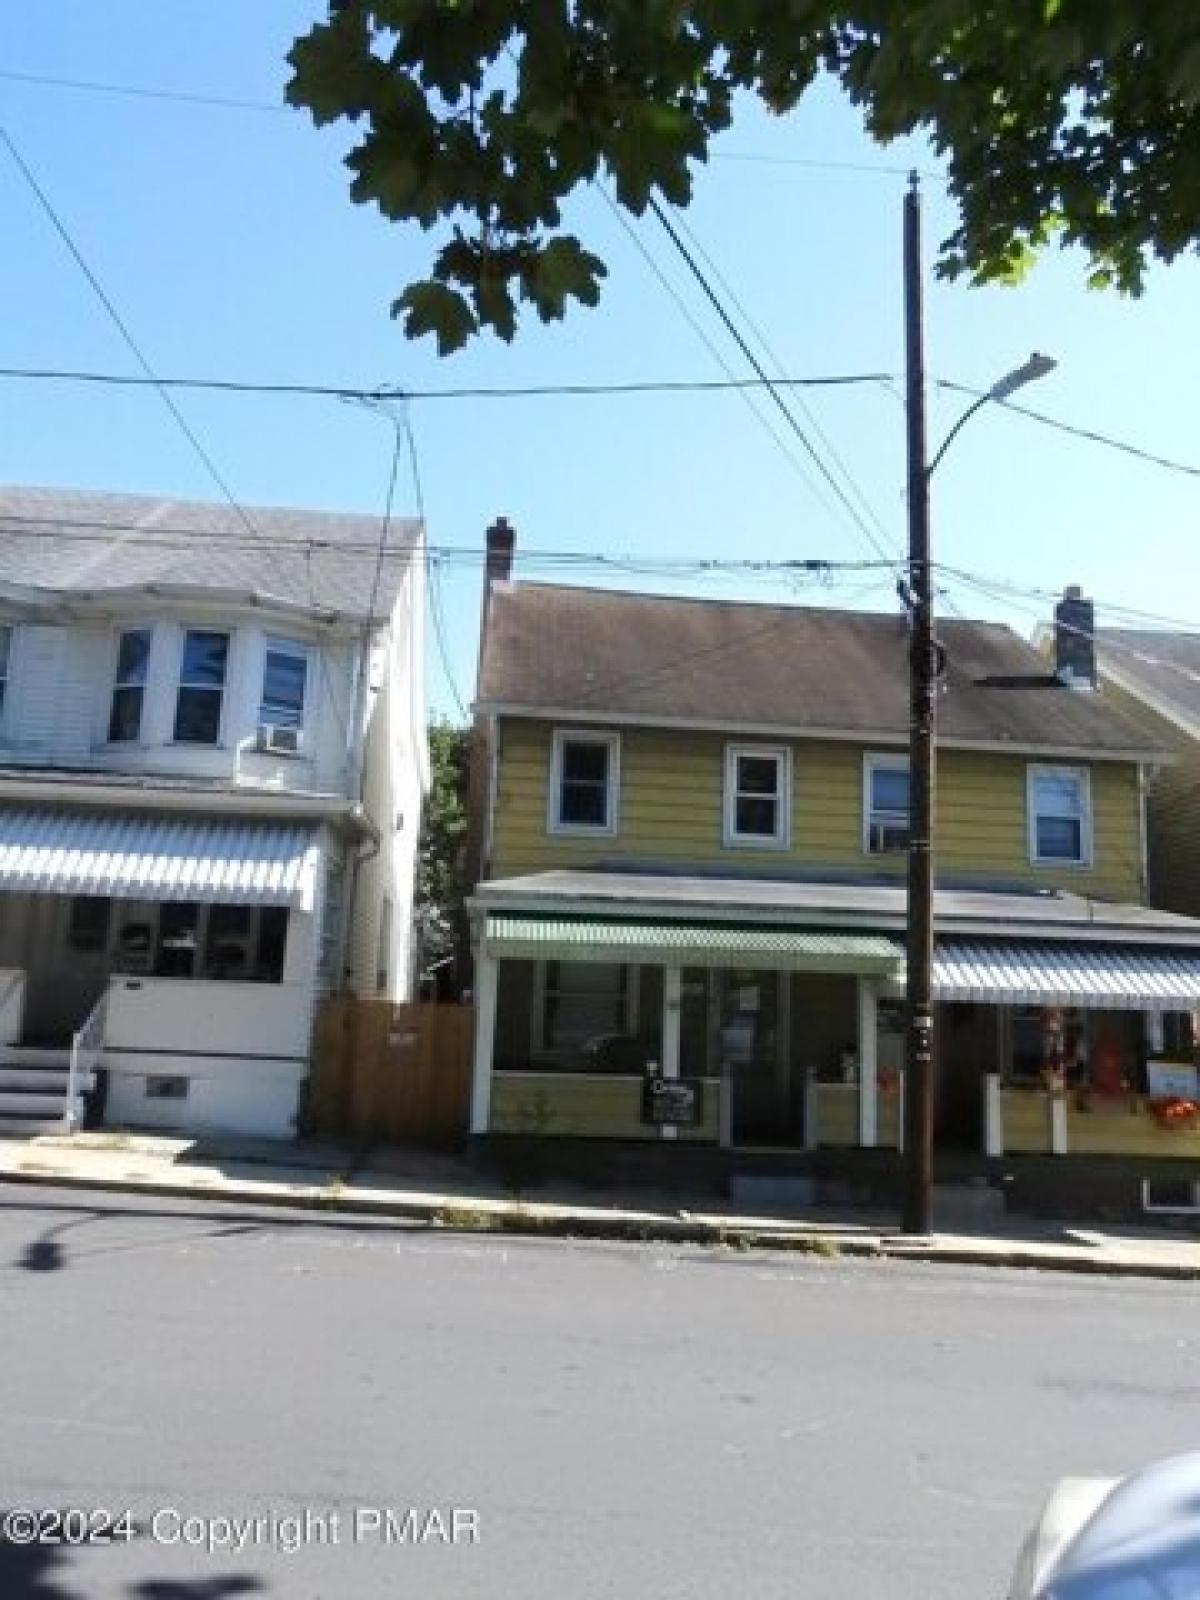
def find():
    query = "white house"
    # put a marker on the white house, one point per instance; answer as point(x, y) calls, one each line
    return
point(212, 762)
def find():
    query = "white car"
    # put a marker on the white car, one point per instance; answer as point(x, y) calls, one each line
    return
point(1134, 1538)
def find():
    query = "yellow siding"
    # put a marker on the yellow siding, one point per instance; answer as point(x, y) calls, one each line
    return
point(1117, 1131)
point(1025, 1121)
point(584, 1106)
point(671, 812)
point(1173, 820)
point(836, 1106)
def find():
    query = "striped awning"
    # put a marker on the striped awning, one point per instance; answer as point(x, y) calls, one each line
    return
point(131, 857)
point(691, 944)
point(1098, 977)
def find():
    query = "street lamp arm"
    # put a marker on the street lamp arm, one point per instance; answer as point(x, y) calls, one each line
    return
point(955, 431)
point(1036, 367)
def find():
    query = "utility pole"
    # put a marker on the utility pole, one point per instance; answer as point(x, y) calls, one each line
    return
point(918, 1078)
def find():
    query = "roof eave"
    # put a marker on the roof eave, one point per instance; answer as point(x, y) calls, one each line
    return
point(895, 737)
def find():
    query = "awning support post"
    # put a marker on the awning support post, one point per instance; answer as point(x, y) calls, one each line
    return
point(672, 1005)
point(868, 1057)
point(486, 975)
point(993, 1116)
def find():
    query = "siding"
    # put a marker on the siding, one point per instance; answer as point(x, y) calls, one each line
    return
point(585, 1105)
point(671, 812)
point(1173, 826)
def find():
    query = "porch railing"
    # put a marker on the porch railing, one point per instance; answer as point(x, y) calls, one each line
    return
point(87, 1047)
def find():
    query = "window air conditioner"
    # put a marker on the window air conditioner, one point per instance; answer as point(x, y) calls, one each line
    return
point(280, 741)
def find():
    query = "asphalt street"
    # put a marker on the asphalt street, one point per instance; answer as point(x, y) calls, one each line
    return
point(627, 1420)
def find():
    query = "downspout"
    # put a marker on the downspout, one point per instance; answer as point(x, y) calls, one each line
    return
point(1143, 836)
point(358, 765)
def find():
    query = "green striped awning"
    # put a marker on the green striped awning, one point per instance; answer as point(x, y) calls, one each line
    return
point(690, 944)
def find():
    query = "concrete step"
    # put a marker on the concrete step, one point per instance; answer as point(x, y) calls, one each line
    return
point(45, 1080)
point(26, 1127)
point(966, 1203)
point(29, 1055)
point(28, 1102)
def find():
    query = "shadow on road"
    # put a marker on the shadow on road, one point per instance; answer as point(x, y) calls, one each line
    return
point(43, 1572)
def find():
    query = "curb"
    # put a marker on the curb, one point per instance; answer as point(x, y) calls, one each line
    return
point(492, 1217)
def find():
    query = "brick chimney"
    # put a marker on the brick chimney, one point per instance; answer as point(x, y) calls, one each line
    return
point(1075, 640)
point(501, 542)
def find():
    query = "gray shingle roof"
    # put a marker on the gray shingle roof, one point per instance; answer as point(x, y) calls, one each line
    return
point(1163, 668)
point(76, 541)
point(733, 665)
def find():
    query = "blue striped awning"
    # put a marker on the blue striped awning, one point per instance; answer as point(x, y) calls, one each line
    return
point(1097, 977)
point(139, 857)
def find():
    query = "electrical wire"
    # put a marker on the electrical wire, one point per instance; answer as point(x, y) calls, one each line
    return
point(532, 391)
point(434, 571)
point(772, 389)
point(713, 349)
point(813, 421)
point(121, 326)
point(1092, 435)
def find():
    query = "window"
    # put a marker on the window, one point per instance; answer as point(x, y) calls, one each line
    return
point(178, 940)
point(129, 685)
point(87, 928)
point(757, 791)
point(6, 634)
point(583, 1003)
point(584, 782)
point(1060, 815)
point(160, 1086)
point(201, 687)
point(885, 784)
point(228, 942)
point(285, 682)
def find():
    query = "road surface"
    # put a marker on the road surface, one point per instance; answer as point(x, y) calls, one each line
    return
point(544, 1419)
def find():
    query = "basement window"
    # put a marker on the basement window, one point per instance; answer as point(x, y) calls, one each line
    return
point(1180, 1196)
point(161, 1086)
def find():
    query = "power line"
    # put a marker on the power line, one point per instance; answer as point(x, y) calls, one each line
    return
point(710, 345)
point(772, 389)
point(434, 571)
point(121, 326)
point(134, 91)
point(813, 421)
point(531, 391)
point(1090, 434)
point(225, 102)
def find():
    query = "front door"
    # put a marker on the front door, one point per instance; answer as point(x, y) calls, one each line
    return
point(756, 1057)
point(67, 964)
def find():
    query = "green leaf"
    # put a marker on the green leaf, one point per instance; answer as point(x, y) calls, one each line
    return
point(431, 307)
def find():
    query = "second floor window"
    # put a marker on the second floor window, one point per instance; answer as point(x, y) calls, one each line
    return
point(285, 684)
point(757, 794)
point(1060, 815)
point(887, 802)
point(201, 687)
point(129, 685)
point(6, 634)
point(584, 779)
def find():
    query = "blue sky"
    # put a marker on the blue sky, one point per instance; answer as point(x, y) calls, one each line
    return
point(228, 241)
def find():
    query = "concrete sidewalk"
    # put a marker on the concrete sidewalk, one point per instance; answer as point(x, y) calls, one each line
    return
point(445, 1192)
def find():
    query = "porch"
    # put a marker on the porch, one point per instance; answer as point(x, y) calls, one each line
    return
point(155, 973)
point(756, 1040)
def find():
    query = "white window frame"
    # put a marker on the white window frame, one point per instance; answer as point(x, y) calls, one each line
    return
point(287, 647)
point(781, 839)
point(1084, 777)
point(881, 761)
point(202, 627)
point(114, 684)
point(554, 823)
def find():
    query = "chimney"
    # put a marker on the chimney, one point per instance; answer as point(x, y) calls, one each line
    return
point(1075, 640)
point(501, 542)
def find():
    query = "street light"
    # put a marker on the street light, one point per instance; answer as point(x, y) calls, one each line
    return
point(924, 654)
point(1038, 366)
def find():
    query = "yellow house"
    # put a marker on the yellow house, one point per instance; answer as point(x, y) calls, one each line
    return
point(691, 822)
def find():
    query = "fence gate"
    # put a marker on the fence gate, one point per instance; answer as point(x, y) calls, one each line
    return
point(395, 1073)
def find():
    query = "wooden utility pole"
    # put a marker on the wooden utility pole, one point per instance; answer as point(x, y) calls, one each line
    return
point(918, 1078)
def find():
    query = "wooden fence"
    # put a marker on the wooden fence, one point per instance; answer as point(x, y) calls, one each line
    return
point(396, 1073)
